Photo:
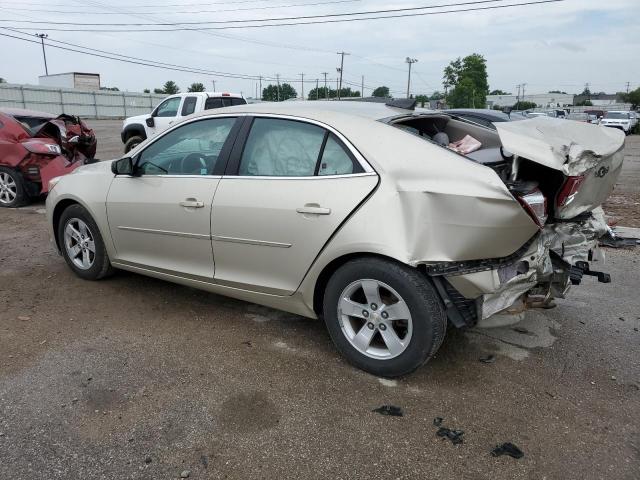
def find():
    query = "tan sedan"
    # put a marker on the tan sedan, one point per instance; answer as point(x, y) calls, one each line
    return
point(387, 222)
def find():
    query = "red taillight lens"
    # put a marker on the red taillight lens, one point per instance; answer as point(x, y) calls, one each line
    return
point(42, 148)
point(535, 204)
point(568, 190)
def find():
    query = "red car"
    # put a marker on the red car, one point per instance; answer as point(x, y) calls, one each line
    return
point(36, 147)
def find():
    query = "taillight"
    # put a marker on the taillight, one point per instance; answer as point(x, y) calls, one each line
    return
point(535, 205)
point(42, 148)
point(568, 190)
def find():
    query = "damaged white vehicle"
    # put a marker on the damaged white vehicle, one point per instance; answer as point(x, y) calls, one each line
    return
point(386, 222)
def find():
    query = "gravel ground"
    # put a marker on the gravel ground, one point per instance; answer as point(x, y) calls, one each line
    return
point(132, 377)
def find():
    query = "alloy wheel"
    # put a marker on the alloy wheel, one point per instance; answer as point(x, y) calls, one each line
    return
point(375, 319)
point(8, 188)
point(79, 243)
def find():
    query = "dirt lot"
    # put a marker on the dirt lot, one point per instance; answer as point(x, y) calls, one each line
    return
point(136, 378)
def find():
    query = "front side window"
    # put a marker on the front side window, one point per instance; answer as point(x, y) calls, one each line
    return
point(282, 148)
point(189, 106)
point(168, 108)
point(191, 149)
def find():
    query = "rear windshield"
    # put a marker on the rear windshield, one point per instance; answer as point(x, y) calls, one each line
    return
point(219, 102)
point(616, 115)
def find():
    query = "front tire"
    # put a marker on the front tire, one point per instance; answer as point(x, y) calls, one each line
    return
point(82, 245)
point(385, 318)
point(132, 143)
point(12, 191)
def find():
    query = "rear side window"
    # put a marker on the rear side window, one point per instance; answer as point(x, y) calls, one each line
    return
point(289, 148)
point(219, 102)
point(189, 106)
point(336, 160)
point(213, 103)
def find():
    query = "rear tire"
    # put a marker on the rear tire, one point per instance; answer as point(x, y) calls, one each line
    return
point(385, 318)
point(82, 245)
point(12, 190)
point(132, 143)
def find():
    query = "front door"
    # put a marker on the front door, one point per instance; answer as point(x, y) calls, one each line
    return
point(160, 218)
point(295, 184)
point(165, 115)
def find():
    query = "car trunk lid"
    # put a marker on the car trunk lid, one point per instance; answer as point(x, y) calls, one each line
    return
point(588, 156)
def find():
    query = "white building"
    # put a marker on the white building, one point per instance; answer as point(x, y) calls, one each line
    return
point(78, 80)
point(542, 100)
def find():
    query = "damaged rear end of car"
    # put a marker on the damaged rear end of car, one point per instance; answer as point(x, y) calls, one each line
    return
point(559, 173)
point(30, 158)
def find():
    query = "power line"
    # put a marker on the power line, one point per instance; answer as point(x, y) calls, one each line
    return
point(173, 12)
point(277, 19)
point(316, 22)
point(154, 5)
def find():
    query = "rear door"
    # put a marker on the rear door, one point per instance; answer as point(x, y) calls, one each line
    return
point(289, 185)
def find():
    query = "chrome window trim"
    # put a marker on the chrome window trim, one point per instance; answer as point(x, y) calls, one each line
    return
point(308, 177)
point(210, 177)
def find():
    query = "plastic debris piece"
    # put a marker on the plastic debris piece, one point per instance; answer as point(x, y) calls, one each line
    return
point(488, 359)
point(389, 410)
point(507, 448)
point(455, 436)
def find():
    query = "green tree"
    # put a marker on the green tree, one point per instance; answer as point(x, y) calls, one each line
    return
point(196, 87)
point(170, 88)
point(557, 91)
point(158, 90)
point(422, 100)
point(146, 90)
point(2, 80)
point(381, 92)
point(584, 103)
point(468, 79)
point(633, 97)
point(436, 95)
point(586, 91)
point(271, 93)
point(344, 93)
point(498, 92)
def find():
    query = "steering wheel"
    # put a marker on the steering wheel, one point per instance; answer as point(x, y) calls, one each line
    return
point(194, 163)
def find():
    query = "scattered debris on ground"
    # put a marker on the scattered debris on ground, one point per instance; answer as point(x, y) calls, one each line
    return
point(507, 448)
point(455, 436)
point(389, 410)
point(488, 359)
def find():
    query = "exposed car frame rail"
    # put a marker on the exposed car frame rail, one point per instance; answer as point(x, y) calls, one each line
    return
point(472, 266)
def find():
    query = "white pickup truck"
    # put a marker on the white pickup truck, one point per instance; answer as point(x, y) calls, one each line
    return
point(137, 129)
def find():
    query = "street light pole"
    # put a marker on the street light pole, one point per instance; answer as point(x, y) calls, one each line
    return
point(302, 83)
point(326, 91)
point(42, 36)
point(410, 61)
point(214, 85)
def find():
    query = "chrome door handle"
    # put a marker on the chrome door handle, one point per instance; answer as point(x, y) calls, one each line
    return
point(314, 210)
point(191, 203)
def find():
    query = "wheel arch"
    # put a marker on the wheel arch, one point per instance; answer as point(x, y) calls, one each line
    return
point(131, 130)
point(60, 207)
point(331, 267)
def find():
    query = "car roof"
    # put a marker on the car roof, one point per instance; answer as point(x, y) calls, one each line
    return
point(321, 110)
point(21, 112)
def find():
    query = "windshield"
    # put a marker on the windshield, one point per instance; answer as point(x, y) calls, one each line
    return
point(617, 115)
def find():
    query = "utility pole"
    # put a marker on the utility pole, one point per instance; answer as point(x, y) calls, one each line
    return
point(260, 77)
point(302, 83)
point(317, 83)
point(337, 91)
point(362, 89)
point(214, 85)
point(42, 36)
point(410, 61)
point(342, 54)
point(278, 85)
point(628, 85)
point(326, 91)
point(518, 97)
point(523, 85)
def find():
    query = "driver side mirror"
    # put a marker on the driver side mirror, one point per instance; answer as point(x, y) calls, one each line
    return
point(150, 122)
point(124, 166)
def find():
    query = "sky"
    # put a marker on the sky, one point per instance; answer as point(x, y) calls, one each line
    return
point(553, 46)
